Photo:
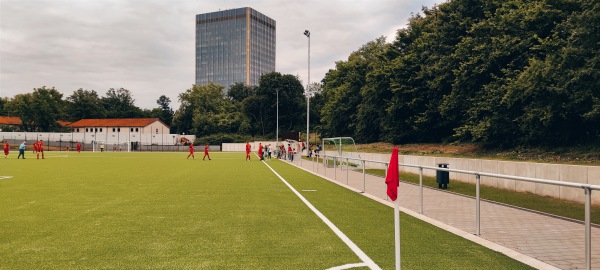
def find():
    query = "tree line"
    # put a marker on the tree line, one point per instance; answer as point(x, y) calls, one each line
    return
point(205, 110)
point(502, 73)
point(43, 109)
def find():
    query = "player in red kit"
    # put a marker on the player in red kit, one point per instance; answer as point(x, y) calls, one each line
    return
point(248, 147)
point(78, 147)
point(260, 151)
point(40, 148)
point(206, 152)
point(6, 147)
point(35, 148)
point(191, 152)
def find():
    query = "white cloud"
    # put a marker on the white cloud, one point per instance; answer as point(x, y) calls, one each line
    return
point(148, 46)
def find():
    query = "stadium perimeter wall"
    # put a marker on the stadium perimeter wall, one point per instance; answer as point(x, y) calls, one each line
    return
point(87, 138)
point(559, 172)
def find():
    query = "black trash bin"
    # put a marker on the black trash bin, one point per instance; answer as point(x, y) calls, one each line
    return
point(442, 177)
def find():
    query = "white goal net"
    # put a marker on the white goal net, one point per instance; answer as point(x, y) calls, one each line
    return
point(344, 147)
point(108, 146)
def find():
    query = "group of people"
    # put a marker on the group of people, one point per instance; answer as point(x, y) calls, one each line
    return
point(206, 154)
point(265, 152)
point(38, 148)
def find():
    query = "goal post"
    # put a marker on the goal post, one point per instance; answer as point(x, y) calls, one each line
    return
point(343, 147)
point(108, 146)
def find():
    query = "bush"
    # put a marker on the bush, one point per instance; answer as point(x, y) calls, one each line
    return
point(218, 139)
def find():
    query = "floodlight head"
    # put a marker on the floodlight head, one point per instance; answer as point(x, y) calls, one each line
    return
point(307, 33)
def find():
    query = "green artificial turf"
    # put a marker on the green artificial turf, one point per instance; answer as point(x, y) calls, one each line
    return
point(161, 211)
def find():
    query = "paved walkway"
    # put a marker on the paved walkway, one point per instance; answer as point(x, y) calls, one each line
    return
point(553, 241)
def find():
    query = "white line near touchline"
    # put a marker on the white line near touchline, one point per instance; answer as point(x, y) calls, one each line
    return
point(368, 262)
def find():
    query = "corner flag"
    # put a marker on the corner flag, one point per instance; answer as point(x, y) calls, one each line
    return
point(393, 182)
point(391, 179)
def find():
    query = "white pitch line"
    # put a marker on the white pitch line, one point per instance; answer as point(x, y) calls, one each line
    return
point(367, 261)
point(348, 266)
point(5, 177)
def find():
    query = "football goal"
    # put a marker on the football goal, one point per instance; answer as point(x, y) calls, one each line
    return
point(108, 146)
point(344, 147)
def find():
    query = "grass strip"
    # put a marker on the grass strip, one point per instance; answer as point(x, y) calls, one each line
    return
point(530, 201)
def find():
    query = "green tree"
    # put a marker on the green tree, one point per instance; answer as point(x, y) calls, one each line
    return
point(21, 105)
point(263, 108)
point(240, 91)
point(120, 104)
point(555, 100)
point(85, 104)
point(3, 101)
point(342, 95)
point(48, 108)
point(375, 93)
point(165, 111)
point(205, 110)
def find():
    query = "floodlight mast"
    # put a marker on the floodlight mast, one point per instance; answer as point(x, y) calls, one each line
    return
point(307, 34)
point(277, 131)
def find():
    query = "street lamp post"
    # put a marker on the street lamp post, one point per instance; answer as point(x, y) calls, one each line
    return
point(277, 131)
point(307, 34)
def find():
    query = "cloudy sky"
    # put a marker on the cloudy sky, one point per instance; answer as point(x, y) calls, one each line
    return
point(147, 46)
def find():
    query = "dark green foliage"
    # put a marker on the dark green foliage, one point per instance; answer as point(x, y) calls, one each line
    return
point(239, 91)
point(165, 113)
point(219, 138)
point(502, 73)
point(85, 104)
point(292, 104)
point(120, 104)
point(38, 110)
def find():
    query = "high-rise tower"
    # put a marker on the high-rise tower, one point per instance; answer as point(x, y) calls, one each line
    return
point(236, 45)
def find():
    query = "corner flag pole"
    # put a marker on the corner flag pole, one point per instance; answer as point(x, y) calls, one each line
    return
point(397, 231)
point(392, 179)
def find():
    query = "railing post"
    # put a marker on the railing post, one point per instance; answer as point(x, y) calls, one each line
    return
point(477, 206)
point(335, 168)
point(347, 169)
point(588, 228)
point(325, 165)
point(421, 189)
point(364, 177)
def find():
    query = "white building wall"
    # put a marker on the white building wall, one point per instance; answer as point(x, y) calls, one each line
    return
point(89, 137)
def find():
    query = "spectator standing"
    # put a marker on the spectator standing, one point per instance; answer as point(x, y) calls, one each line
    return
point(22, 150)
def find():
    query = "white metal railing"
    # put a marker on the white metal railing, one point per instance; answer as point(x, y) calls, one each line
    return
point(587, 188)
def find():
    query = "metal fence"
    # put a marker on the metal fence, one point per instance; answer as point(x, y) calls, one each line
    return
point(332, 161)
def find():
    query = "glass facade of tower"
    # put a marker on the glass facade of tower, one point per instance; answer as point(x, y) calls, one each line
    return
point(236, 45)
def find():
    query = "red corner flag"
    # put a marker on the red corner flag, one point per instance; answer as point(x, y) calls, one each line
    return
point(391, 179)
